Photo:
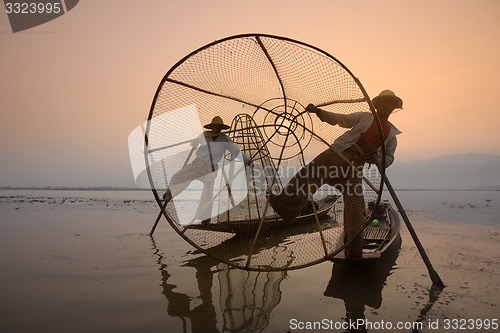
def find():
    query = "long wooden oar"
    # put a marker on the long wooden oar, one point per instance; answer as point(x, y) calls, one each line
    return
point(162, 208)
point(158, 219)
point(436, 280)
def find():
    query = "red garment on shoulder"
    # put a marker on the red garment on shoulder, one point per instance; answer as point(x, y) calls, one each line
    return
point(370, 141)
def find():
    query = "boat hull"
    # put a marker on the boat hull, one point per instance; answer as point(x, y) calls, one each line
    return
point(377, 240)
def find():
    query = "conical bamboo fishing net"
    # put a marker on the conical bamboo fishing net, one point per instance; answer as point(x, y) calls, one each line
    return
point(260, 85)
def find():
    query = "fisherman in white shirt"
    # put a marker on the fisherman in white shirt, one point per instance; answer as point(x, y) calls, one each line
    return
point(212, 145)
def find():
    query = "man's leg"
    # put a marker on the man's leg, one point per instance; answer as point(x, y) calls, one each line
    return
point(182, 178)
point(204, 210)
point(294, 197)
point(354, 212)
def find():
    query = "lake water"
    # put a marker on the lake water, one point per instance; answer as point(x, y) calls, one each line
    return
point(81, 261)
point(476, 207)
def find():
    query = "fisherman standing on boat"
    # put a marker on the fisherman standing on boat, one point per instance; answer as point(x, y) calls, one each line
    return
point(212, 145)
point(361, 144)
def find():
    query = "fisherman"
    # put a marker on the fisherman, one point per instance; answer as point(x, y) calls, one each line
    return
point(359, 145)
point(212, 145)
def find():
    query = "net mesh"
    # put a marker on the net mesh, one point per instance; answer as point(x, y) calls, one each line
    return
point(260, 86)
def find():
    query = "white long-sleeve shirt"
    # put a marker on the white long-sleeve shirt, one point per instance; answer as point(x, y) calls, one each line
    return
point(358, 122)
point(212, 151)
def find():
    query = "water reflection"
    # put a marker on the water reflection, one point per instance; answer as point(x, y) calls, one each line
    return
point(361, 285)
point(202, 318)
point(434, 293)
point(245, 299)
point(226, 299)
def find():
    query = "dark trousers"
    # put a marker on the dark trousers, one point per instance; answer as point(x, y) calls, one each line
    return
point(328, 168)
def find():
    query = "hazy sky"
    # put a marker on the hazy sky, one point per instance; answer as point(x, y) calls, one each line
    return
point(74, 88)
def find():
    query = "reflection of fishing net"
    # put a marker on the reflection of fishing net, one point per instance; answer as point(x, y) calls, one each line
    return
point(247, 298)
point(259, 84)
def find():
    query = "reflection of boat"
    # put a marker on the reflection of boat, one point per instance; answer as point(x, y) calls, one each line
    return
point(278, 249)
point(361, 285)
point(379, 237)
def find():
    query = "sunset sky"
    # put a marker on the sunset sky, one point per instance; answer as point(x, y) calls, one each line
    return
point(74, 88)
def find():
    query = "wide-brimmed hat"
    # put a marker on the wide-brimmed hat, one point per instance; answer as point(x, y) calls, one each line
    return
point(388, 94)
point(217, 122)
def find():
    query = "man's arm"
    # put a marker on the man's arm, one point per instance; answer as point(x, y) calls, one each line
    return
point(235, 151)
point(198, 141)
point(343, 120)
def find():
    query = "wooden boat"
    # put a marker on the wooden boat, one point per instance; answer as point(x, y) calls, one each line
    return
point(271, 220)
point(377, 239)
